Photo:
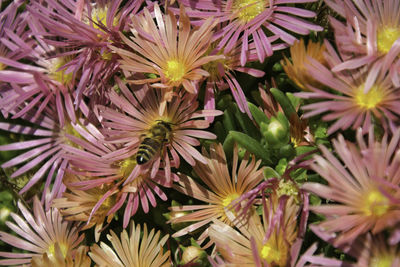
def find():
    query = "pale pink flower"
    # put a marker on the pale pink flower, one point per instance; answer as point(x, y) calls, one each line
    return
point(351, 98)
point(173, 54)
point(365, 187)
point(132, 249)
point(39, 232)
point(369, 36)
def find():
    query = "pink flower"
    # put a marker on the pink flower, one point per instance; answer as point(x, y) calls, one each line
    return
point(358, 95)
point(139, 116)
point(370, 36)
point(246, 21)
point(366, 190)
point(174, 56)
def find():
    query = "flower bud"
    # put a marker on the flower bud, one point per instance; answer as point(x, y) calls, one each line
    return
point(194, 254)
point(277, 132)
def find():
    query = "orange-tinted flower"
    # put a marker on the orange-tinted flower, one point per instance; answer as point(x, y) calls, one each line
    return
point(174, 56)
point(223, 187)
point(296, 69)
point(130, 251)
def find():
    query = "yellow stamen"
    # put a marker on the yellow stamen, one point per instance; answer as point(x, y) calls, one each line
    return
point(52, 250)
point(175, 70)
point(248, 9)
point(369, 100)
point(69, 129)
point(386, 37)
point(270, 254)
point(375, 204)
point(58, 74)
point(126, 166)
point(287, 188)
point(229, 198)
point(382, 261)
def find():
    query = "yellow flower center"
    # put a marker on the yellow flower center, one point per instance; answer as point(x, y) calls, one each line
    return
point(175, 70)
point(126, 166)
point(287, 188)
point(69, 129)
point(381, 261)
point(270, 254)
point(248, 9)
point(375, 204)
point(59, 75)
point(51, 252)
point(2, 66)
point(386, 37)
point(228, 199)
point(369, 100)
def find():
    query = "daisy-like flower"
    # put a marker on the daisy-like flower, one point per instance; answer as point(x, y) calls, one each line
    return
point(79, 205)
point(39, 233)
point(250, 20)
point(223, 187)
point(128, 250)
point(357, 100)
point(296, 67)
point(111, 169)
point(371, 33)
point(174, 56)
point(52, 133)
point(369, 250)
point(86, 28)
point(271, 241)
point(139, 126)
point(366, 191)
point(80, 259)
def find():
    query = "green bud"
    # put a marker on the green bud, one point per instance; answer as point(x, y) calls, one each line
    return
point(277, 133)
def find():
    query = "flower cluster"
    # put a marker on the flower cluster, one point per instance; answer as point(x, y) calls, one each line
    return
point(212, 121)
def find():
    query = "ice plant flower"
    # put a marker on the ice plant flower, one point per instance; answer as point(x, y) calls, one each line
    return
point(356, 100)
point(86, 28)
point(80, 259)
point(365, 190)
point(250, 20)
point(369, 250)
point(270, 241)
point(296, 67)
point(40, 232)
point(173, 56)
point(78, 204)
point(53, 133)
point(138, 117)
point(128, 250)
point(370, 35)
point(223, 187)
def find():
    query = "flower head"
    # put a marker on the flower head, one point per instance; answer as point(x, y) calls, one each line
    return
point(130, 251)
point(357, 100)
point(40, 233)
point(86, 28)
point(152, 133)
point(365, 190)
point(79, 259)
point(78, 204)
point(258, 242)
point(223, 187)
point(174, 56)
point(267, 23)
point(370, 36)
